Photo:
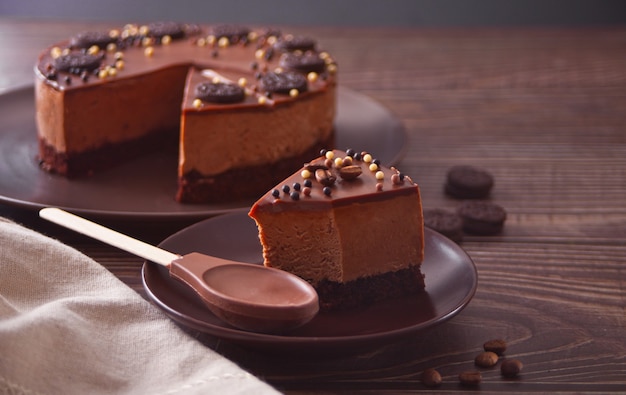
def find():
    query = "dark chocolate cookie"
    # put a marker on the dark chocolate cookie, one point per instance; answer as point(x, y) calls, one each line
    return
point(234, 33)
point(219, 92)
point(481, 217)
point(77, 62)
point(295, 43)
point(468, 182)
point(445, 222)
point(283, 82)
point(88, 39)
point(172, 29)
point(303, 61)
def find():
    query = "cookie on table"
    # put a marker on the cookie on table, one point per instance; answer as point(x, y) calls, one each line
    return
point(445, 222)
point(481, 217)
point(468, 182)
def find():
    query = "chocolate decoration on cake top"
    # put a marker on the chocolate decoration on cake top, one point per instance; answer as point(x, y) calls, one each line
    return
point(87, 39)
point(337, 178)
point(291, 43)
point(141, 49)
point(219, 92)
point(284, 82)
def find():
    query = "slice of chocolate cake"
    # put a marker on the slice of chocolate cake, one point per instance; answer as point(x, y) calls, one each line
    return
point(351, 227)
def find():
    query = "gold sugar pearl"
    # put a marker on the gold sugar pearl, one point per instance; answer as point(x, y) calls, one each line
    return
point(332, 68)
point(166, 40)
point(271, 40)
point(294, 93)
point(223, 42)
point(93, 50)
point(197, 103)
point(324, 55)
point(143, 30)
point(119, 55)
point(259, 54)
point(111, 47)
point(210, 39)
point(367, 158)
point(339, 162)
point(253, 36)
point(112, 71)
point(312, 76)
point(306, 174)
point(330, 155)
point(201, 42)
point(380, 175)
point(65, 51)
point(373, 167)
point(55, 52)
point(147, 41)
point(102, 74)
point(149, 51)
point(278, 70)
point(120, 64)
point(262, 100)
point(242, 82)
point(114, 33)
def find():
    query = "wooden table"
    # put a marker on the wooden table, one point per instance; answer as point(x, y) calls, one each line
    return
point(544, 110)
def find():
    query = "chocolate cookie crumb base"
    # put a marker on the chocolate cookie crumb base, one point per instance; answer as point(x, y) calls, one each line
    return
point(89, 162)
point(242, 183)
point(368, 290)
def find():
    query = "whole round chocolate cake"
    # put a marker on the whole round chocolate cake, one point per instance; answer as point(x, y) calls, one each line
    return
point(244, 107)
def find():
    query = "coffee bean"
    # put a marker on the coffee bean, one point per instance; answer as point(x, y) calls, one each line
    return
point(431, 378)
point(511, 368)
point(470, 378)
point(497, 346)
point(486, 359)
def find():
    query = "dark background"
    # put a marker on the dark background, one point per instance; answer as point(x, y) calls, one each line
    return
point(333, 12)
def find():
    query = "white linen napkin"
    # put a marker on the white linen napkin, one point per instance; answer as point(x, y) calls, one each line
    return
point(69, 326)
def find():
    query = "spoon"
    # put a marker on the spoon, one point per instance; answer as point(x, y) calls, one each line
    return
point(250, 297)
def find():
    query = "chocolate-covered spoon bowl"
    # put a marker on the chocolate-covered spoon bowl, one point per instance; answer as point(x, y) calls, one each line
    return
point(246, 296)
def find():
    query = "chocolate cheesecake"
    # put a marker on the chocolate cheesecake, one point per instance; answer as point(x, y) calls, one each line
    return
point(351, 227)
point(243, 107)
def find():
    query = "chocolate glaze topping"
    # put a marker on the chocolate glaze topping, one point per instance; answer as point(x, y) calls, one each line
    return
point(337, 178)
point(133, 50)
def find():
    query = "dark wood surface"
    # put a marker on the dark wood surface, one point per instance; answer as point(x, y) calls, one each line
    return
point(544, 110)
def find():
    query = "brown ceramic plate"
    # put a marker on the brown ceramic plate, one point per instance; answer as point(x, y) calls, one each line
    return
point(145, 187)
point(451, 281)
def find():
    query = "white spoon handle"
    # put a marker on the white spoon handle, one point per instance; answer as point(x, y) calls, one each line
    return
point(109, 236)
